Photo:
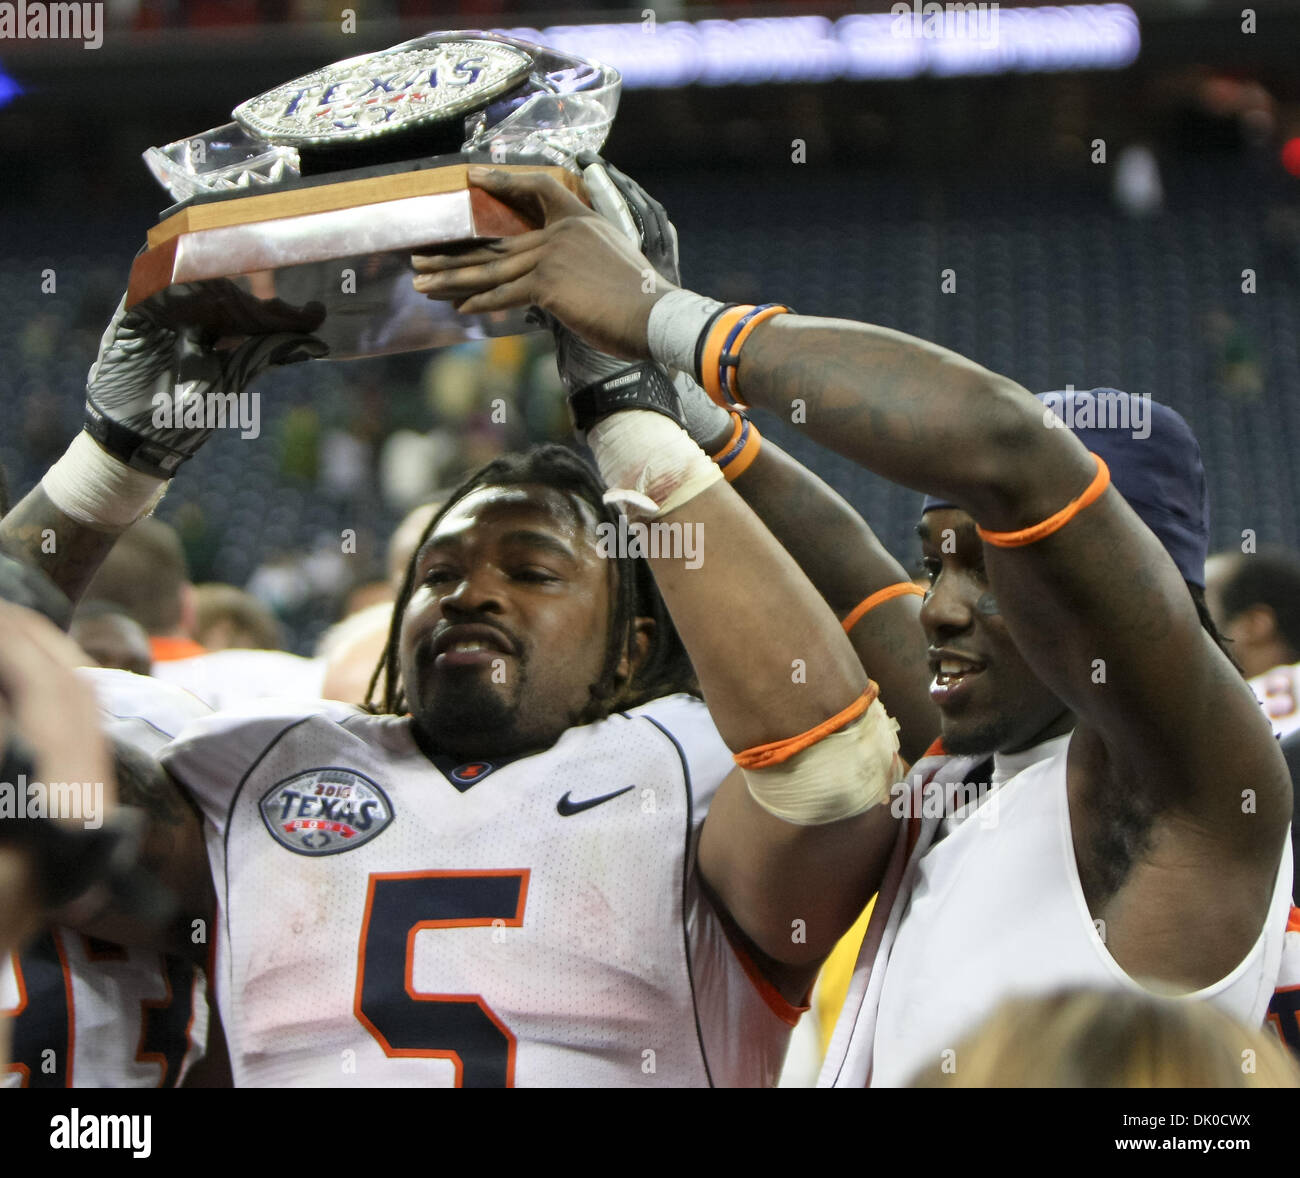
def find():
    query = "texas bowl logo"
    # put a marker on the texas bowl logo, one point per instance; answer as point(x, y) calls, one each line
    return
point(325, 811)
point(381, 93)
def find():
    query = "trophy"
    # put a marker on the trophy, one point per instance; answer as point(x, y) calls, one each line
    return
point(322, 188)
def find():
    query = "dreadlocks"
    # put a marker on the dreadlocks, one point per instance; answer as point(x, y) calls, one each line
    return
point(666, 668)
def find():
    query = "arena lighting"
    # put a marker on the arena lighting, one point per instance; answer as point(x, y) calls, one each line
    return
point(948, 40)
point(9, 88)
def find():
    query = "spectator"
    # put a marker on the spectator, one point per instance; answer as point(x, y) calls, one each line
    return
point(111, 637)
point(231, 619)
point(1255, 601)
point(1112, 1039)
point(146, 577)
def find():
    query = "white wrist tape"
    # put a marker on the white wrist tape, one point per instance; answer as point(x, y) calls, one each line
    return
point(842, 775)
point(674, 328)
point(649, 463)
point(94, 488)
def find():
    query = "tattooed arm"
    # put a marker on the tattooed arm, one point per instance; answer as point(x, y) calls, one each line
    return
point(69, 553)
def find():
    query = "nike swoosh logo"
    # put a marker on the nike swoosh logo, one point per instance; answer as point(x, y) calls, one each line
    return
point(565, 808)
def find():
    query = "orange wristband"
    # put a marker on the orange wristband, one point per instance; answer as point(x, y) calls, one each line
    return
point(879, 597)
point(719, 355)
point(760, 756)
point(741, 449)
point(718, 332)
point(1055, 522)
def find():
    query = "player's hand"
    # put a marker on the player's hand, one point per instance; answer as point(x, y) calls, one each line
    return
point(623, 202)
point(578, 267)
point(228, 338)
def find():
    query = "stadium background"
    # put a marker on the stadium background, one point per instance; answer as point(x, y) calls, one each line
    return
point(1066, 270)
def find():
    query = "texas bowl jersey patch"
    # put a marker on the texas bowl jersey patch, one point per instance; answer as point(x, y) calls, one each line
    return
point(325, 811)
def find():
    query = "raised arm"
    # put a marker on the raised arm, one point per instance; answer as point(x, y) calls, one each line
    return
point(1098, 593)
point(840, 554)
point(139, 392)
point(829, 541)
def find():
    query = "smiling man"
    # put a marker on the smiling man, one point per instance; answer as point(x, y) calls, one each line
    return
point(1139, 836)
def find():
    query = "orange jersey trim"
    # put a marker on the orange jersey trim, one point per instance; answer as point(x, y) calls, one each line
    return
point(772, 998)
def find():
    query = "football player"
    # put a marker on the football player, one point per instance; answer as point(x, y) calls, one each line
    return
point(1134, 821)
point(502, 878)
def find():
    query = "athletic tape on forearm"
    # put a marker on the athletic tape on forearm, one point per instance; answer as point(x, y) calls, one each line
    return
point(842, 775)
point(649, 463)
point(91, 486)
point(676, 321)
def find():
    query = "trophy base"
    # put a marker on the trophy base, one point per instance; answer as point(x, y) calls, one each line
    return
point(346, 246)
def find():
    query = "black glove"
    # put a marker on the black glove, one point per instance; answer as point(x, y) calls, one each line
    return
point(621, 200)
point(656, 235)
point(167, 345)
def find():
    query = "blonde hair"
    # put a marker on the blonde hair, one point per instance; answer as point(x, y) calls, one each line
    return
point(1112, 1039)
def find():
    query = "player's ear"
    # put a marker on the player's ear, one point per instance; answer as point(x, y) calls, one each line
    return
point(643, 630)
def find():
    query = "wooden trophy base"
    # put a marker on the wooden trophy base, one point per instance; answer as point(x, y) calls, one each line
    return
point(346, 246)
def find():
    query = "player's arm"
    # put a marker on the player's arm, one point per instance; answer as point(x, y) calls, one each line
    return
point(841, 556)
point(1098, 593)
point(117, 468)
point(797, 839)
point(827, 538)
point(1098, 608)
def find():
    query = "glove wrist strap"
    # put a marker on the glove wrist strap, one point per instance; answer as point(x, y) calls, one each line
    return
point(642, 386)
point(130, 448)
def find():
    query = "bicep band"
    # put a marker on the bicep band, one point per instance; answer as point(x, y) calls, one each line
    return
point(838, 770)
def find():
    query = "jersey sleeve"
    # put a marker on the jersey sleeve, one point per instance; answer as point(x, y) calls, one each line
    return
point(214, 754)
point(745, 1023)
point(140, 710)
point(686, 721)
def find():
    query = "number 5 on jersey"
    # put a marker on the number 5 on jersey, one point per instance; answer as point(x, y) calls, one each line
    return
point(406, 1023)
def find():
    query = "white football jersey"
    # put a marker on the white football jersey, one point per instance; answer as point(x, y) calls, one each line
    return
point(995, 909)
point(1278, 692)
point(88, 1013)
point(231, 678)
point(391, 920)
